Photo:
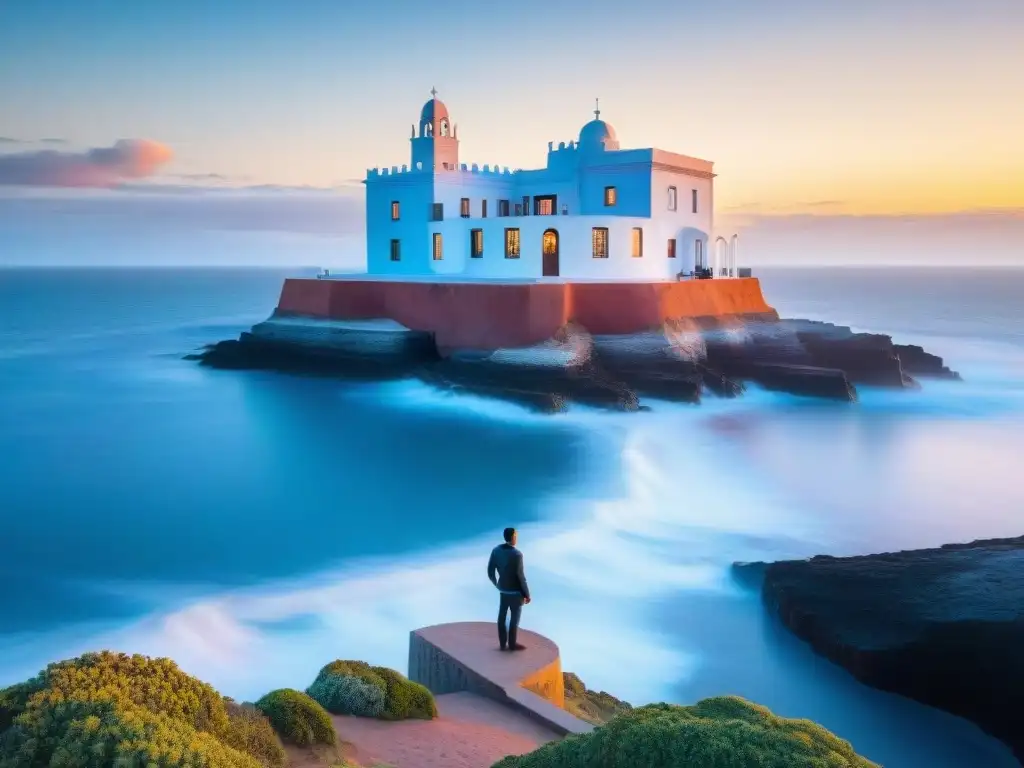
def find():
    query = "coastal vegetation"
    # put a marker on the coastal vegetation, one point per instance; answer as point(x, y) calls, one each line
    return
point(297, 718)
point(112, 710)
point(595, 707)
point(719, 732)
point(356, 688)
point(106, 709)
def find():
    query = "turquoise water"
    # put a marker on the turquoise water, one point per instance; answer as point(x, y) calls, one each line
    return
point(254, 526)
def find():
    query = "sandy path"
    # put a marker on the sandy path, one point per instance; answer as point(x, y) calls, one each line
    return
point(469, 732)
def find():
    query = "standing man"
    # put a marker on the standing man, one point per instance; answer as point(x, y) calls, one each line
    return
point(507, 561)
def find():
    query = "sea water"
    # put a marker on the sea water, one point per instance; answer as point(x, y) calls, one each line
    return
point(254, 526)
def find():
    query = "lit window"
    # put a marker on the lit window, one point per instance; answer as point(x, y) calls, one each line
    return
point(638, 242)
point(610, 196)
point(394, 210)
point(464, 208)
point(396, 250)
point(544, 206)
point(511, 243)
point(438, 247)
point(694, 200)
point(600, 242)
point(476, 243)
point(672, 248)
point(503, 207)
point(672, 198)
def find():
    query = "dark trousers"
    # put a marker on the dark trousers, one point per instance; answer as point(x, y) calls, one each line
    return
point(511, 606)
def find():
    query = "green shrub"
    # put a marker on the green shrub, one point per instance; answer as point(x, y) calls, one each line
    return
point(406, 699)
point(297, 718)
point(402, 698)
point(108, 709)
point(724, 732)
point(345, 695)
point(250, 731)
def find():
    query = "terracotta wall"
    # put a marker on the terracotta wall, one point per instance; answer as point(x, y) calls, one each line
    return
point(487, 316)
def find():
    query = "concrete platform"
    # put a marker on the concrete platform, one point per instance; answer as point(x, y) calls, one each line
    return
point(452, 658)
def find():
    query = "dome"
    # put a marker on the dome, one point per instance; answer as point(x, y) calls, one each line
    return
point(596, 132)
point(433, 109)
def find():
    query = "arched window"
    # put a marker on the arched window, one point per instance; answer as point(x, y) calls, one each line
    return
point(444, 127)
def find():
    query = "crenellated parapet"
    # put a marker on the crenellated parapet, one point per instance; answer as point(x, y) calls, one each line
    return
point(418, 168)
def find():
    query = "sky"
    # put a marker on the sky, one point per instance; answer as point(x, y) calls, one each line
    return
point(814, 113)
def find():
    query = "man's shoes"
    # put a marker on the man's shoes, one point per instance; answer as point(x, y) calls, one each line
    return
point(501, 648)
point(517, 647)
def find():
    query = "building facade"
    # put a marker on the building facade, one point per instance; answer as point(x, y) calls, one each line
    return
point(596, 211)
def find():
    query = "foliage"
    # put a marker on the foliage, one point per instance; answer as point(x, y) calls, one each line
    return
point(347, 695)
point(406, 699)
point(596, 707)
point(723, 732)
point(250, 731)
point(108, 709)
point(297, 718)
point(402, 698)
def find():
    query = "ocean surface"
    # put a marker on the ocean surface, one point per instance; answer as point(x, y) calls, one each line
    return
point(255, 526)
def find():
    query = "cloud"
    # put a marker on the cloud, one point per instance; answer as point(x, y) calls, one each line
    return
point(9, 140)
point(98, 167)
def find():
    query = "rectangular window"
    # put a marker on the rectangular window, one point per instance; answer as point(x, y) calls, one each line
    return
point(395, 209)
point(438, 247)
point(526, 205)
point(698, 253)
point(483, 209)
point(503, 207)
point(694, 200)
point(511, 243)
point(599, 239)
point(519, 209)
point(673, 195)
point(671, 247)
point(438, 211)
point(610, 196)
point(476, 243)
point(544, 205)
point(464, 208)
point(638, 242)
point(396, 250)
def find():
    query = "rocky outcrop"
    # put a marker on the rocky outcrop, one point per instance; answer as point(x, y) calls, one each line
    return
point(596, 707)
point(942, 626)
point(679, 361)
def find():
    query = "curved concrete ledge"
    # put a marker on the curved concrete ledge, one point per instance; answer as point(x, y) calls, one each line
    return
point(449, 658)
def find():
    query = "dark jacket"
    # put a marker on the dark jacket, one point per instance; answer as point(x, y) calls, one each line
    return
point(508, 562)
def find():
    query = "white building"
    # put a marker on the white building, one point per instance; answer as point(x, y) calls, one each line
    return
point(595, 212)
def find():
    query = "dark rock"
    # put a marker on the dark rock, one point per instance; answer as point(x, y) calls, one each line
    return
point(799, 356)
point(942, 626)
point(805, 380)
point(920, 363)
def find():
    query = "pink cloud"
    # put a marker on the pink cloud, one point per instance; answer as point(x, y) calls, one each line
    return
point(99, 167)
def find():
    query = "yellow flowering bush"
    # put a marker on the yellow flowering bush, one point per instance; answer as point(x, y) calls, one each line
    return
point(112, 710)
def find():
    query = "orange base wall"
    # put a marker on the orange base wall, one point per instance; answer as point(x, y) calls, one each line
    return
point(493, 315)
